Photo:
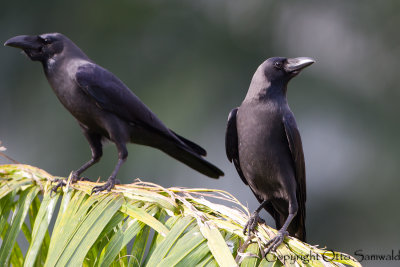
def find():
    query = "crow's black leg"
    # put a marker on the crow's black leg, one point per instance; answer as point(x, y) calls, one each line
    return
point(122, 156)
point(274, 243)
point(97, 151)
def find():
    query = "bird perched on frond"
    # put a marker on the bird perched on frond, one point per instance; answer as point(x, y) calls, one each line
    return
point(104, 107)
point(263, 142)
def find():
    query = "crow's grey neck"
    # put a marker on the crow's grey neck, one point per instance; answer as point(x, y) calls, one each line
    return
point(266, 91)
point(71, 54)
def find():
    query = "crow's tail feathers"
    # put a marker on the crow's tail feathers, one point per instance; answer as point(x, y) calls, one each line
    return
point(195, 147)
point(190, 157)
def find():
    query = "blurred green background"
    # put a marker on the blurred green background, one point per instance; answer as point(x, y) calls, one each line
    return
point(191, 62)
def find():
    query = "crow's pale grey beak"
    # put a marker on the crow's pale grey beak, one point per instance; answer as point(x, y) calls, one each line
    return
point(298, 63)
point(24, 42)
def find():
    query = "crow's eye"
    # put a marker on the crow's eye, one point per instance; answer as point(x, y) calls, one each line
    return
point(278, 65)
point(45, 40)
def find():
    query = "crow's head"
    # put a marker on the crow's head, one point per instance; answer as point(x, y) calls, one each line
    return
point(39, 47)
point(283, 69)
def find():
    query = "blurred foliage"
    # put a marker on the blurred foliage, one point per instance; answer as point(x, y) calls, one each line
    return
point(191, 62)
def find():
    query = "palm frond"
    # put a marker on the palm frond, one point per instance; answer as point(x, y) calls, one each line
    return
point(139, 224)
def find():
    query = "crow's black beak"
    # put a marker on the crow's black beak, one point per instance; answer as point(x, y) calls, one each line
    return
point(24, 42)
point(295, 65)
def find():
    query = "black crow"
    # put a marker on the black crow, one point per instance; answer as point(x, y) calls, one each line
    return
point(264, 144)
point(105, 107)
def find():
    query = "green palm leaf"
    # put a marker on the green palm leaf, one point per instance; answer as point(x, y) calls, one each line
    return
point(139, 224)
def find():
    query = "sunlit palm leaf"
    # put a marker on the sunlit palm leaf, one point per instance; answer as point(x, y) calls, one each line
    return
point(140, 224)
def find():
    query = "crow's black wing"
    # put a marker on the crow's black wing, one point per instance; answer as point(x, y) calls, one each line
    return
point(110, 94)
point(296, 149)
point(232, 143)
point(113, 95)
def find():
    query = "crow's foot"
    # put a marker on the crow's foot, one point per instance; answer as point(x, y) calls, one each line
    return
point(274, 243)
point(252, 223)
point(60, 183)
point(63, 182)
point(107, 186)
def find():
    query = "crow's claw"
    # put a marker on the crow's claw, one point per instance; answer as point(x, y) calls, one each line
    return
point(252, 223)
point(63, 182)
point(107, 186)
point(60, 183)
point(274, 243)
